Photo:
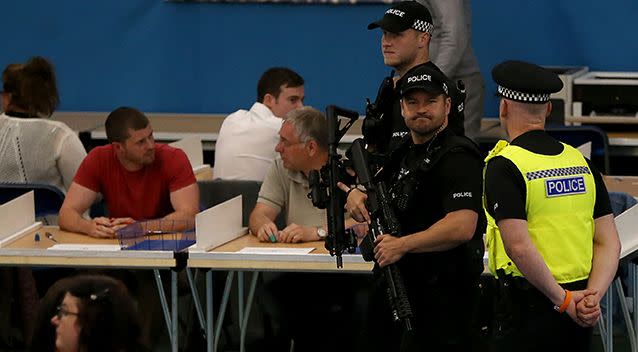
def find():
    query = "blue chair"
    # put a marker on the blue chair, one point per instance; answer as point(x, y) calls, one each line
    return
point(579, 135)
point(48, 199)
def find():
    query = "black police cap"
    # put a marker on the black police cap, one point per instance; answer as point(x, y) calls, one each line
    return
point(424, 78)
point(405, 15)
point(525, 82)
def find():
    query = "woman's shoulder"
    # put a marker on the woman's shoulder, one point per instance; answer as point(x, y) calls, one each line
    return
point(47, 125)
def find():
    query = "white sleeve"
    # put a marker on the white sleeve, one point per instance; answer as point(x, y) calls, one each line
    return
point(451, 37)
point(70, 155)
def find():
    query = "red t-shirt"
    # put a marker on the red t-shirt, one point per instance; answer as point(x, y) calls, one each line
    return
point(142, 194)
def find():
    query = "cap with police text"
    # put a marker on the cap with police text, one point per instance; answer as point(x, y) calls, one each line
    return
point(424, 78)
point(525, 82)
point(405, 15)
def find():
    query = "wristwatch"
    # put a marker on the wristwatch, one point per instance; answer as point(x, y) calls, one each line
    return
point(321, 233)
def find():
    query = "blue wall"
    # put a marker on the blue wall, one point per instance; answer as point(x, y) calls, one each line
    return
point(206, 58)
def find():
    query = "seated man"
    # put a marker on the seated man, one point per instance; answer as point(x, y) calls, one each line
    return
point(303, 146)
point(139, 179)
point(245, 147)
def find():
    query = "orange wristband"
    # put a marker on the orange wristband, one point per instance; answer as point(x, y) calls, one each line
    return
point(565, 304)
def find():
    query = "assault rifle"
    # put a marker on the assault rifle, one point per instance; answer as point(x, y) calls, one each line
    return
point(325, 193)
point(383, 221)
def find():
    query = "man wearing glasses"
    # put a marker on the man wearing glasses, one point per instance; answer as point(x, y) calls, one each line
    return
point(303, 146)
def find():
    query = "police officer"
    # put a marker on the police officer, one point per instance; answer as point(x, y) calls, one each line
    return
point(551, 238)
point(407, 31)
point(434, 178)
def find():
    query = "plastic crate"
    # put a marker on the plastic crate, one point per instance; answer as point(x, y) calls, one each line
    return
point(157, 235)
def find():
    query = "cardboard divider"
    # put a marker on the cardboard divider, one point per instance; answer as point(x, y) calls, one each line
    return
point(219, 224)
point(627, 225)
point(17, 217)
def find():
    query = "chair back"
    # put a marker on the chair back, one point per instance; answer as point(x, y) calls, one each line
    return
point(217, 191)
point(48, 199)
point(579, 135)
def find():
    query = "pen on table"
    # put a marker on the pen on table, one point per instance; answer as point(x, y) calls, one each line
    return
point(50, 236)
point(272, 237)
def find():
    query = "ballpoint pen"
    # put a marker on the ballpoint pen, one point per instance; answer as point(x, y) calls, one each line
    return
point(50, 236)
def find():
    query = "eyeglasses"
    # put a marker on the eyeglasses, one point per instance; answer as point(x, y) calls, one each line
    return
point(63, 312)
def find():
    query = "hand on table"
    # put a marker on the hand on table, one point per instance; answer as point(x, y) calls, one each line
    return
point(268, 233)
point(294, 233)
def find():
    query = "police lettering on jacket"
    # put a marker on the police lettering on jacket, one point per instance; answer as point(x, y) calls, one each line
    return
point(565, 186)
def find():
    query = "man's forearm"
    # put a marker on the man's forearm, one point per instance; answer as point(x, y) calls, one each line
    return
point(604, 266)
point(256, 221)
point(185, 219)
point(72, 221)
point(531, 264)
point(180, 215)
point(520, 248)
point(456, 228)
point(606, 252)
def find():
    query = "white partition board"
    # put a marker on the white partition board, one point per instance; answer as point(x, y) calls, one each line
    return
point(16, 217)
point(192, 146)
point(585, 149)
point(219, 224)
point(627, 225)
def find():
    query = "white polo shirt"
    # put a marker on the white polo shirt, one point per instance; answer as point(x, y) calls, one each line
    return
point(245, 147)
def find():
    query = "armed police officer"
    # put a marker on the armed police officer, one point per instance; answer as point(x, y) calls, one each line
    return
point(551, 237)
point(407, 31)
point(435, 183)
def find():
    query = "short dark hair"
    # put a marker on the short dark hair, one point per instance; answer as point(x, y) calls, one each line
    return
point(108, 316)
point(120, 120)
point(32, 86)
point(275, 77)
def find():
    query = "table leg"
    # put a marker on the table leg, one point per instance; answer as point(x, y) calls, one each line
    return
point(223, 306)
point(244, 319)
point(174, 311)
point(210, 346)
point(162, 296)
point(196, 300)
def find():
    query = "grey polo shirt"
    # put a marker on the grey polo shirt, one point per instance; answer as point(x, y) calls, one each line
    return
point(287, 191)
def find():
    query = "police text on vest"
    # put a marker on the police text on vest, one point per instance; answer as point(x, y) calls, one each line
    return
point(565, 186)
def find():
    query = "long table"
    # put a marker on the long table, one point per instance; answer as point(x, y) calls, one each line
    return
point(26, 251)
point(226, 257)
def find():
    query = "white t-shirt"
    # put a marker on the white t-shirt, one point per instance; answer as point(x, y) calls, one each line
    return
point(38, 150)
point(245, 147)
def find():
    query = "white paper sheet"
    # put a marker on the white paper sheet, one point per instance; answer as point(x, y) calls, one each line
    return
point(275, 250)
point(85, 247)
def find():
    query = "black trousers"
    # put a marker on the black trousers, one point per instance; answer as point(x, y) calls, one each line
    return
point(319, 311)
point(444, 317)
point(525, 320)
